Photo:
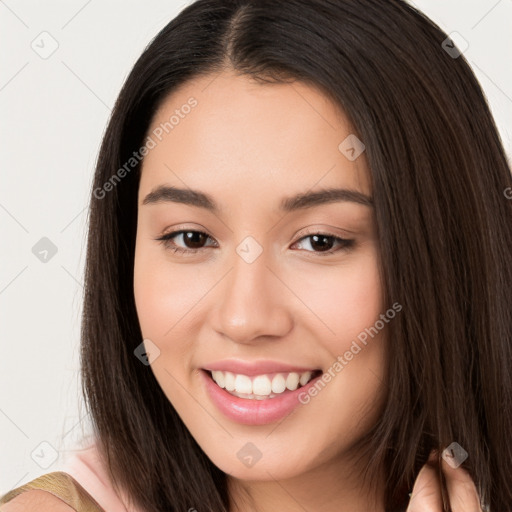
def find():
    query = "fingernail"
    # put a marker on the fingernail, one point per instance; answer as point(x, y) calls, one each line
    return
point(434, 456)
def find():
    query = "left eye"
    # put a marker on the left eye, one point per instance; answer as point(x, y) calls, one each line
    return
point(325, 241)
point(321, 241)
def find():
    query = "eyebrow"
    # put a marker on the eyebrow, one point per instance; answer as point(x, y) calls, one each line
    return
point(165, 193)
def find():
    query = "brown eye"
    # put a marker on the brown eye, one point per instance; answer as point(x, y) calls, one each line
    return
point(323, 243)
point(192, 240)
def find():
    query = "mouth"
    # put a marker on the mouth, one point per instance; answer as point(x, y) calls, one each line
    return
point(261, 387)
point(257, 399)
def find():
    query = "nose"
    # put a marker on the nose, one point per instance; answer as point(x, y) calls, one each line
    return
point(251, 302)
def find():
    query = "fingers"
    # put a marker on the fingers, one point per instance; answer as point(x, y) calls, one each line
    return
point(462, 492)
point(426, 493)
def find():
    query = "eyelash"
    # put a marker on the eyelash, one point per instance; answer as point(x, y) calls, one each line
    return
point(166, 240)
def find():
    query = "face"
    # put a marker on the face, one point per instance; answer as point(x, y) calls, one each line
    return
point(235, 280)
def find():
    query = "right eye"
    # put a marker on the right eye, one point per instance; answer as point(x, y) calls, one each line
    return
point(189, 237)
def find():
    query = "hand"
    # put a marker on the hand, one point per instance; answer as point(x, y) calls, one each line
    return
point(427, 494)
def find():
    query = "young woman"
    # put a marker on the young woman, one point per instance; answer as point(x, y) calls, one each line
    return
point(298, 278)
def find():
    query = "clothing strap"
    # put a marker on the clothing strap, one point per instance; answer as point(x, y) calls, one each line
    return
point(63, 486)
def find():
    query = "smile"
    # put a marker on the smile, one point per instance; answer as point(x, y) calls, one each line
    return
point(258, 399)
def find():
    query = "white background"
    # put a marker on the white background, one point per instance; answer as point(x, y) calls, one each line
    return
point(53, 113)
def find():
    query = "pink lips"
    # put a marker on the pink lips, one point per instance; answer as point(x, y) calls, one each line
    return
point(248, 411)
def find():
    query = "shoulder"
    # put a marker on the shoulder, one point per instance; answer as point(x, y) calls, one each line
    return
point(82, 483)
point(57, 491)
point(36, 500)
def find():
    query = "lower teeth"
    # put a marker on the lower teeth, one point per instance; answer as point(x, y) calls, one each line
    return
point(253, 396)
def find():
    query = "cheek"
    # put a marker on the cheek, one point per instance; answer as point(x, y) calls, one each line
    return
point(345, 301)
point(360, 299)
point(164, 293)
point(151, 299)
point(163, 297)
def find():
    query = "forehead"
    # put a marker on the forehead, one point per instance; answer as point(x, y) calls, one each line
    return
point(266, 138)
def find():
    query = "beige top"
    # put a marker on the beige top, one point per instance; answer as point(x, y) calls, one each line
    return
point(63, 486)
point(83, 482)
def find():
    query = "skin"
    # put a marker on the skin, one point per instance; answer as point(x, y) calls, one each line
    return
point(248, 146)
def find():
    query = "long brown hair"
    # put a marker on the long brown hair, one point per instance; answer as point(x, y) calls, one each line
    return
point(438, 173)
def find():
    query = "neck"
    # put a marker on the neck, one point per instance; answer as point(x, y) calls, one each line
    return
point(332, 487)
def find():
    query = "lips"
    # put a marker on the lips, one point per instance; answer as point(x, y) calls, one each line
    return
point(254, 408)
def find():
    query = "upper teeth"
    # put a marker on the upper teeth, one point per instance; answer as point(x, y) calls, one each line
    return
point(260, 385)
